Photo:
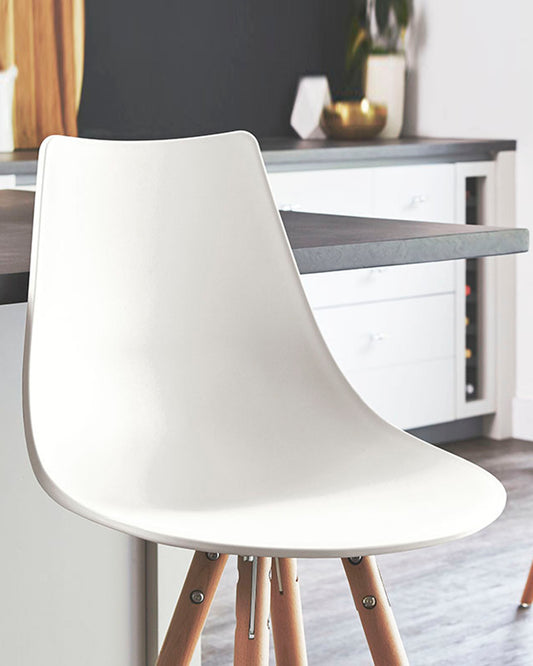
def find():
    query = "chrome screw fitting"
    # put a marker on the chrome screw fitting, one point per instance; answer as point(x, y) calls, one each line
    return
point(369, 602)
point(355, 560)
point(197, 596)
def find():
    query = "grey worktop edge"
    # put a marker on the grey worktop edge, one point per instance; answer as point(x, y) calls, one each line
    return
point(18, 163)
point(382, 154)
point(285, 154)
point(14, 288)
point(409, 251)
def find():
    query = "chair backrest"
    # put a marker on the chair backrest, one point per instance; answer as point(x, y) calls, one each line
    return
point(171, 356)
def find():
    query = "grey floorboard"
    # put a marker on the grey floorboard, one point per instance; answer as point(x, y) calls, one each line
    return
point(455, 603)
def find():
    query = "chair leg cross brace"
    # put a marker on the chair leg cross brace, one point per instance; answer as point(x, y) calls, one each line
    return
point(256, 597)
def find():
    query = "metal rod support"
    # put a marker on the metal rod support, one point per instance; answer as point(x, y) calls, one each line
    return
point(253, 598)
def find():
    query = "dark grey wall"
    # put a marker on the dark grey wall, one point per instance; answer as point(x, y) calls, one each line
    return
point(167, 68)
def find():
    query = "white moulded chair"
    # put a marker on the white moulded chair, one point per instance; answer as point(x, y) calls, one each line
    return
point(177, 388)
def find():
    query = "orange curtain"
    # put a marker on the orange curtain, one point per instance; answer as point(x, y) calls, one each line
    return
point(48, 41)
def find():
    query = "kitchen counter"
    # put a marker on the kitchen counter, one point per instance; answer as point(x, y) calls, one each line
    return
point(320, 242)
point(286, 153)
point(20, 163)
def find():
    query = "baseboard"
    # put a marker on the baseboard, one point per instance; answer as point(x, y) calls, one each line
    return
point(454, 431)
point(523, 418)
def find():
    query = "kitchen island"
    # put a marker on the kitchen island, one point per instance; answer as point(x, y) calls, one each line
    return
point(112, 593)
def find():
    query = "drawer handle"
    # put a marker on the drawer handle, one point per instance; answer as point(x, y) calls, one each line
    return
point(379, 337)
point(418, 199)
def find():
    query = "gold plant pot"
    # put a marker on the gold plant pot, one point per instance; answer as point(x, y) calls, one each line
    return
point(353, 120)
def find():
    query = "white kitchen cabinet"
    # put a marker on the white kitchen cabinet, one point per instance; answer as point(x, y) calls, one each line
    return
point(389, 333)
point(340, 192)
point(410, 311)
point(398, 353)
point(73, 592)
point(365, 285)
point(400, 393)
point(422, 192)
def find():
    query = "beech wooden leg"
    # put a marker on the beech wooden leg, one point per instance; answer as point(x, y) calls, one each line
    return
point(286, 614)
point(192, 609)
point(375, 612)
point(527, 595)
point(251, 633)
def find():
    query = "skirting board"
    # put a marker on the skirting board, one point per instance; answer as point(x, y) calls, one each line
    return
point(454, 431)
point(523, 418)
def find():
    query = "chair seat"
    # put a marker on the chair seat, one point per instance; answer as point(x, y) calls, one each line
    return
point(437, 497)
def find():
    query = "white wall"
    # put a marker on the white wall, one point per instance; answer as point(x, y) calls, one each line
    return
point(471, 76)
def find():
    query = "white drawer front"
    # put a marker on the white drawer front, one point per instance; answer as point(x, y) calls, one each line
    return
point(335, 191)
point(375, 335)
point(410, 396)
point(8, 182)
point(425, 192)
point(378, 284)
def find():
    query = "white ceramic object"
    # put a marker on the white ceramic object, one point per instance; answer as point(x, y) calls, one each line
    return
point(312, 96)
point(7, 89)
point(385, 84)
point(176, 386)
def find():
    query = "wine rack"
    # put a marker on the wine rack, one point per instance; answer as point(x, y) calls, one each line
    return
point(475, 296)
point(473, 214)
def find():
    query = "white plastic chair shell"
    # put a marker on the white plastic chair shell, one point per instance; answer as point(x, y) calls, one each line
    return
point(176, 386)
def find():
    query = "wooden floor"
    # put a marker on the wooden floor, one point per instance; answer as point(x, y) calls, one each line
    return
point(455, 604)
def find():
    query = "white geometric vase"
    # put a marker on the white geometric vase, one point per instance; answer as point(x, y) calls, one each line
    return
point(312, 96)
point(385, 84)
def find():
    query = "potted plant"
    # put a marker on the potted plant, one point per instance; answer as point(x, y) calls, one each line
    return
point(375, 58)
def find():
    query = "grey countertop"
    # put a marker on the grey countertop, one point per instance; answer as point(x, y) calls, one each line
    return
point(20, 162)
point(289, 153)
point(319, 242)
point(323, 243)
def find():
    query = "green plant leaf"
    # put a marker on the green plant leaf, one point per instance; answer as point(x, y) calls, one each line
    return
point(356, 44)
point(357, 49)
point(359, 11)
point(382, 11)
point(402, 11)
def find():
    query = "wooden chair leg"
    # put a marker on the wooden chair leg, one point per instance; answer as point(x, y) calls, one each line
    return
point(527, 595)
point(286, 614)
point(252, 607)
point(192, 609)
point(375, 612)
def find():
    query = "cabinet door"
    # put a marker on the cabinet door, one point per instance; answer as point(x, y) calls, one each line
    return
point(7, 182)
point(411, 395)
point(73, 592)
point(336, 191)
point(398, 355)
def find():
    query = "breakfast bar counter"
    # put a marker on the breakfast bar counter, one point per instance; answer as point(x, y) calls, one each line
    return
point(320, 242)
